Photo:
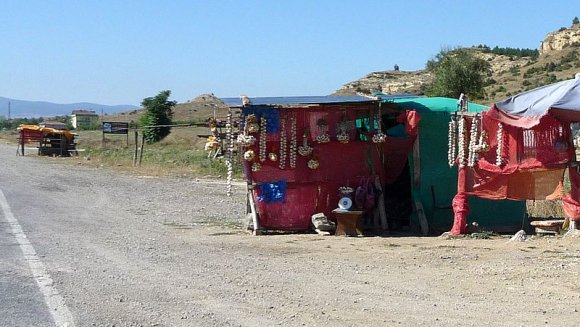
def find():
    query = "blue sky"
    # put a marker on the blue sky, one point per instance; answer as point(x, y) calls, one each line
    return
point(119, 52)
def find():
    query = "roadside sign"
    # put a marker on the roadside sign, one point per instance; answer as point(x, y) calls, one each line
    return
point(115, 128)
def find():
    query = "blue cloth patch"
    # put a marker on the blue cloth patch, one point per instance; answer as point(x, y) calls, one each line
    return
point(272, 192)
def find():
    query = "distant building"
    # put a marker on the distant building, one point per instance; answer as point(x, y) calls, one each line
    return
point(84, 119)
point(53, 124)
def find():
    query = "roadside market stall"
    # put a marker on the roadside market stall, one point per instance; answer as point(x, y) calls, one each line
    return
point(519, 149)
point(51, 141)
point(301, 155)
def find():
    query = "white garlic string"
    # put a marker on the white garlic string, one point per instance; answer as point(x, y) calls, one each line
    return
point(293, 142)
point(473, 137)
point(283, 142)
point(499, 149)
point(263, 134)
point(461, 142)
point(230, 156)
point(452, 142)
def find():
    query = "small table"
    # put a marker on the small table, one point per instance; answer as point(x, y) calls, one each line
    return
point(348, 223)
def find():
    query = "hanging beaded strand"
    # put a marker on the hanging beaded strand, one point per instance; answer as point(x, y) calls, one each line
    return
point(283, 142)
point(229, 161)
point(473, 138)
point(499, 149)
point(461, 142)
point(452, 142)
point(305, 149)
point(293, 141)
point(379, 137)
point(263, 134)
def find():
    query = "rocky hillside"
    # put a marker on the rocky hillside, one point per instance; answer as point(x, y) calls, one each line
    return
point(559, 59)
point(391, 82)
point(563, 38)
point(198, 109)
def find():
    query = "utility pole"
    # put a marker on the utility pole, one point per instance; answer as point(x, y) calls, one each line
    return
point(9, 118)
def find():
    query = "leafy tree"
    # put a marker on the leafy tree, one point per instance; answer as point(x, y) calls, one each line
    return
point(457, 71)
point(4, 123)
point(575, 21)
point(158, 111)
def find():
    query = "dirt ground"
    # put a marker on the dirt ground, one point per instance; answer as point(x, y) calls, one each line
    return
point(141, 251)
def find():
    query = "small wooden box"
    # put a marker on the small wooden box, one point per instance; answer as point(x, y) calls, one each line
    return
point(348, 223)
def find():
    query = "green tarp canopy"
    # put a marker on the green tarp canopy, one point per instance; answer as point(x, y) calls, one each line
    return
point(436, 183)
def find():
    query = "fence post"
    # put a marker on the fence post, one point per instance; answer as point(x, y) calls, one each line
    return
point(136, 146)
point(142, 148)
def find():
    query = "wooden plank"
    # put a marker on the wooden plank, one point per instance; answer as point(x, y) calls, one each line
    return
point(422, 217)
point(547, 223)
point(136, 147)
point(142, 148)
point(381, 205)
point(253, 210)
point(416, 165)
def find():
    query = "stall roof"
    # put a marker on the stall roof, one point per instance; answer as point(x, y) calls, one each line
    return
point(432, 104)
point(303, 100)
point(526, 109)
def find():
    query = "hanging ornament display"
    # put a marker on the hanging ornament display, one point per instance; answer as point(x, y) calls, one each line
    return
point(230, 153)
point(272, 156)
point(452, 142)
point(473, 138)
point(345, 191)
point(483, 145)
point(293, 141)
point(379, 137)
point(343, 138)
point(251, 125)
point(342, 131)
point(249, 155)
point(256, 167)
point(305, 150)
point(499, 149)
point(263, 134)
point(246, 140)
point(461, 134)
point(313, 164)
point(323, 136)
point(283, 142)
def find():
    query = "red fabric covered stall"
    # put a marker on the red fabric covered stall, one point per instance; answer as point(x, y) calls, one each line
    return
point(525, 151)
point(298, 151)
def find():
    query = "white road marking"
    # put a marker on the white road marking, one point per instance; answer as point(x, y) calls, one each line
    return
point(58, 309)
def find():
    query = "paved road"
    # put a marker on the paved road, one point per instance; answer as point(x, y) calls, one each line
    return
point(84, 246)
point(78, 245)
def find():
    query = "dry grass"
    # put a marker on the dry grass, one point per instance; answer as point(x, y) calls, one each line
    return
point(545, 209)
point(179, 154)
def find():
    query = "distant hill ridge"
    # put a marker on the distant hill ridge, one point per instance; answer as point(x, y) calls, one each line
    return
point(32, 109)
point(557, 58)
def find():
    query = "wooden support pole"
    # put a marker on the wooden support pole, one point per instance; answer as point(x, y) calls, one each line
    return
point(253, 209)
point(62, 145)
point(142, 148)
point(136, 147)
point(460, 205)
point(20, 145)
point(381, 204)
